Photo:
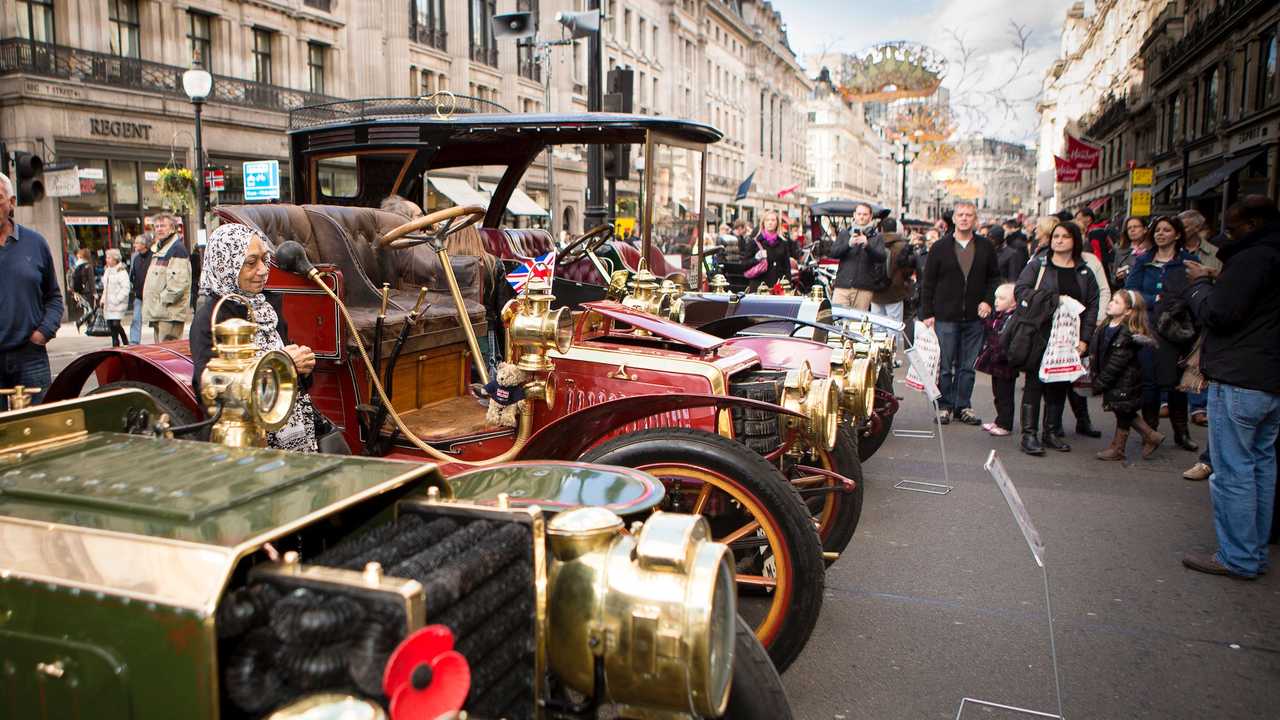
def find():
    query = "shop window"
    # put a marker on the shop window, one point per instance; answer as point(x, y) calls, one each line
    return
point(35, 20)
point(93, 188)
point(125, 28)
point(262, 55)
point(1266, 70)
point(200, 35)
point(315, 65)
point(124, 182)
point(337, 177)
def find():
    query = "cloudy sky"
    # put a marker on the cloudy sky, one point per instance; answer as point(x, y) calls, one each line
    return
point(986, 99)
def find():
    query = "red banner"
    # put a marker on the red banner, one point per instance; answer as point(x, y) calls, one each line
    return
point(1067, 172)
point(1082, 155)
point(787, 191)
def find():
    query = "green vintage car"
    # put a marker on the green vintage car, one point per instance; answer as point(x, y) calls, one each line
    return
point(143, 576)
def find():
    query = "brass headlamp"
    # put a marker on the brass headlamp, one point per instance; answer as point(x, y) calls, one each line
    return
point(535, 328)
point(818, 400)
point(644, 295)
point(719, 283)
point(657, 609)
point(256, 392)
point(855, 377)
point(674, 293)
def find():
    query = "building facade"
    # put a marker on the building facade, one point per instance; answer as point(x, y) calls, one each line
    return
point(846, 155)
point(1003, 174)
point(1199, 103)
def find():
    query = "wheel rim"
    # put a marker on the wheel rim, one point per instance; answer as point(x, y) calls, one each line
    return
point(831, 505)
point(705, 485)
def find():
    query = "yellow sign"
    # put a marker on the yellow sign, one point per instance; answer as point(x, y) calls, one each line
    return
point(1140, 202)
point(1142, 176)
point(622, 224)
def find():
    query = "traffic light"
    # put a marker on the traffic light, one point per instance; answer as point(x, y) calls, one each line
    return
point(620, 92)
point(27, 183)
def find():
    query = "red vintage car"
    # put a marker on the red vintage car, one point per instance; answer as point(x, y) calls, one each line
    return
point(608, 383)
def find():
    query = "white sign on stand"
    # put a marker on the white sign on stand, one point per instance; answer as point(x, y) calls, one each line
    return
point(923, 359)
point(924, 375)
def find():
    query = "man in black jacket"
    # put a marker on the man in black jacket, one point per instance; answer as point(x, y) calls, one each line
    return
point(1240, 313)
point(1013, 255)
point(138, 266)
point(862, 258)
point(960, 281)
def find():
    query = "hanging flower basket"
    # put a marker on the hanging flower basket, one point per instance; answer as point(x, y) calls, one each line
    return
point(176, 187)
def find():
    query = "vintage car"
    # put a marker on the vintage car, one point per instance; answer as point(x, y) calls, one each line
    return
point(143, 577)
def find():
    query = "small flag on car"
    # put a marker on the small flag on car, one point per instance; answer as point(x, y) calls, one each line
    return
point(543, 267)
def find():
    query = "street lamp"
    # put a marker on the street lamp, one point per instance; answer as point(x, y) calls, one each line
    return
point(198, 83)
point(904, 156)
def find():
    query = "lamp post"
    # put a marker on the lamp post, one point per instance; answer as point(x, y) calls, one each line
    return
point(904, 153)
point(198, 83)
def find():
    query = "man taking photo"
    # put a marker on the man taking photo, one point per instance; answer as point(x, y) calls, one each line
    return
point(862, 262)
point(960, 281)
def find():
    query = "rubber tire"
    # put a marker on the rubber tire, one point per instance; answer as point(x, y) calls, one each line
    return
point(757, 692)
point(767, 485)
point(179, 414)
point(845, 459)
point(869, 444)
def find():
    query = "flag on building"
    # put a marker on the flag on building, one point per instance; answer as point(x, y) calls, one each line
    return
point(1067, 172)
point(787, 191)
point(745, 187)
point(542, 267)
point(1082, 155)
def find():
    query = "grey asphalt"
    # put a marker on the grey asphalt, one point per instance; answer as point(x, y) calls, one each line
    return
point(938, 597)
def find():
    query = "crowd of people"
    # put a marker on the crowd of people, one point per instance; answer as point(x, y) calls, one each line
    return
point(1158, 316)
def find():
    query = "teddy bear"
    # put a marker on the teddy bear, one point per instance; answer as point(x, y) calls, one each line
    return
point(506, 395)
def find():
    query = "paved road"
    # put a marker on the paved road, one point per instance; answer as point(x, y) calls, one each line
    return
point(938, 597)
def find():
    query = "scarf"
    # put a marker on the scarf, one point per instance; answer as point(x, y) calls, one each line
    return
point(220, 277)
point(769, 238)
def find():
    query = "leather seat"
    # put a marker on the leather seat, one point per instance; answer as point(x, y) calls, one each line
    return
point(517, 243)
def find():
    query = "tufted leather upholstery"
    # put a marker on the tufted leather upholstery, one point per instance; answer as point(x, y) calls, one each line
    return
point(277, 222)
point(515, 243)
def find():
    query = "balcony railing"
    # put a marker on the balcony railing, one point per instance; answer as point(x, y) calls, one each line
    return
point(487, 55)
point(429, 36)
point(530, 70)
point(18, 55)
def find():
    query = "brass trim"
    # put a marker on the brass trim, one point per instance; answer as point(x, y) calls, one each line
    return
point(41, 431)
point(408, 591)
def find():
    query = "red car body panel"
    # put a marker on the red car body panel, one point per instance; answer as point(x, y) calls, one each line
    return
point(785, 353)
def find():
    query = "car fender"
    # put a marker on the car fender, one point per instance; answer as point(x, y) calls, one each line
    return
point(568, 437)
point(164, 367)
point(736, 324)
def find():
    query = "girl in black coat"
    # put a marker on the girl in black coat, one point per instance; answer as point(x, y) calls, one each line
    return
point(778, 249)
point(1116, 371)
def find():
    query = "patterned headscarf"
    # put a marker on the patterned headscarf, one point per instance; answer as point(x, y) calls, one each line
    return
point(220, 276)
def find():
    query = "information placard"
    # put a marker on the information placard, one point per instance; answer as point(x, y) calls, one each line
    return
point(1020, 515)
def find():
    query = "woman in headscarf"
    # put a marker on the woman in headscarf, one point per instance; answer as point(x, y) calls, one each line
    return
point(237, 262)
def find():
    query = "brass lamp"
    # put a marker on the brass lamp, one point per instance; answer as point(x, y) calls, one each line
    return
point(674, 294)
point(818, 400)
point(644, 294)
point(535, 328)
point(656, 608)
point(257, 393)
point(719, 283)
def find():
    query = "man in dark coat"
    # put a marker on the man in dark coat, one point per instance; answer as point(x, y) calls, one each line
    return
point(1240, 314)
point(1013, 255)
point(960, 281)
point(138, 266)
point(861, 253)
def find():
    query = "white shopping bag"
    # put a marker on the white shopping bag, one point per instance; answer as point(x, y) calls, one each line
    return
point(1061, 361)
point(925, 357)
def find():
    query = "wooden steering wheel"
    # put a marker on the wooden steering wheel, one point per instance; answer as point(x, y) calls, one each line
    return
point(589, 242)
point(406, 235)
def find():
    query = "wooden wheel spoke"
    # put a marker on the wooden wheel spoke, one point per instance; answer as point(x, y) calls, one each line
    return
point(740, 533)
point(701, 503)
point(757, 580)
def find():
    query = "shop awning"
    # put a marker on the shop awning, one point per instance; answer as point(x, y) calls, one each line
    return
point(1217, 177)
point(519, 203)
point(459, 191)
point(1163, 184)
point(1096, 205)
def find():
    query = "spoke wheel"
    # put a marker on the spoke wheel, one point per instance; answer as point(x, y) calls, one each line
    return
point(835, 511)
point(750, 507)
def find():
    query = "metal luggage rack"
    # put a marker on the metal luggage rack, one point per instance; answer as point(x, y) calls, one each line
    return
point(439, 104)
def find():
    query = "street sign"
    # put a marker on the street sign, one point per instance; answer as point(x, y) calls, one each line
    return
point(262, 180)
point(62, 183)
point(215, 180)
point(1142, 176)
point(1140, 203)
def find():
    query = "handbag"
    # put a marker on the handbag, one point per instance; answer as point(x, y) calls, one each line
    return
point(1193, 381)
point(97, 325)
point(329, 439)
point(760, 267)
point(1176, 325)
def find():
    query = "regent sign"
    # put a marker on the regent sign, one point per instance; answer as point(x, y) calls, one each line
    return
point(103, 127)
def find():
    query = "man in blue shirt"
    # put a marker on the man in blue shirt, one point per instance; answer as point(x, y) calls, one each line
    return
point(30, 300)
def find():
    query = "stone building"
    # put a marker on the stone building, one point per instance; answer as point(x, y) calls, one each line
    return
point(846, 155)
point(1003, 172)
point(1198, 100)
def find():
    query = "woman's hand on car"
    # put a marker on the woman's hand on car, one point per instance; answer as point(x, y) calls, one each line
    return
point(303, 357)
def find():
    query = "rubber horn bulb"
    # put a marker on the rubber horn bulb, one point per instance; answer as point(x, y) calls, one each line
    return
point(291, 257)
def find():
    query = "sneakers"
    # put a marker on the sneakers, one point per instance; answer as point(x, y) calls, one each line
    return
point(1200, 417)
point(988, 426)
point(968, 417)
point(1207, 563)
point(1198, 472)
point(944, 417)
point(997, 431)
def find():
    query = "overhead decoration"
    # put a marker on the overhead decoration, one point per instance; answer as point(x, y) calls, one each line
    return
point(921, 122)
point(939, 156)
point(891, 71)
point(962, 188)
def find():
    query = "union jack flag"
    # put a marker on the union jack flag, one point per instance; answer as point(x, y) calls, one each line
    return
point(543, 266)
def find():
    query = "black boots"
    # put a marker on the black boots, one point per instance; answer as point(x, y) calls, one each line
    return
point(1080, 408)
point(1181, 430)
point(1052, 435)
point(1030, 429)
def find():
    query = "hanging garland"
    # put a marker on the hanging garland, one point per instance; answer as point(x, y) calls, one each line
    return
point(176, 187)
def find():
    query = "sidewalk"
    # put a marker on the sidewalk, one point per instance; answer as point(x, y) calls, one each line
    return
point(70, 344)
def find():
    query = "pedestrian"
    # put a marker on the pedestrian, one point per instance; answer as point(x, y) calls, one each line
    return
point(1199, 244)
point(993, 361)
point(1240, 314)
point(139, 263)
point(237, 263)
point(31, 300)
point(167, 289)
point(861, 252)
point(900, 263)
point(1012, 254)
point(1116, 372)
point(83, 285)
point(1134, 241)
point(115, 296)
point(960, 280)
point(777, 248)
point(1061, 271)
point(1160, 274)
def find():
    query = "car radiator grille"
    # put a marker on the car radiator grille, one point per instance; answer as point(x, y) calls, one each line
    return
point(757, 429)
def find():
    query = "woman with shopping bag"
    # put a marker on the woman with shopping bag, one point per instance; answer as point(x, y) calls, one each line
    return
point(1061, 271)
